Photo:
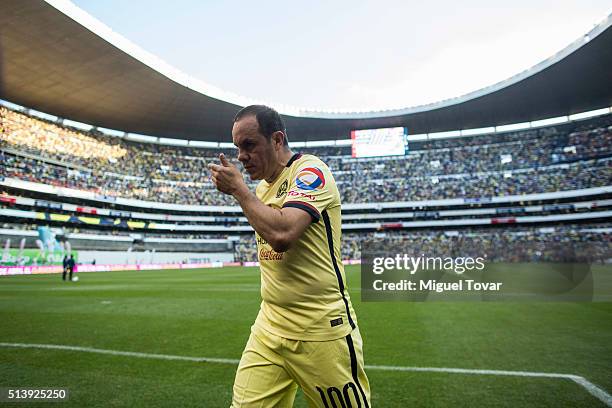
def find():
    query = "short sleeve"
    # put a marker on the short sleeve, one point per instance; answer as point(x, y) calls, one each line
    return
point(312, 189)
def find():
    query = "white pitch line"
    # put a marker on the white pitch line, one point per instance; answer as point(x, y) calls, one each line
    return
point(122, 353)
point(470, 371)
point(594, 390)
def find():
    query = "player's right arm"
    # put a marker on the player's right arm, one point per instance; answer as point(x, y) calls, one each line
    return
point(279, 227)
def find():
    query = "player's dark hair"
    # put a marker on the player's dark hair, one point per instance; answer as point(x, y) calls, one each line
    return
point(268, 120)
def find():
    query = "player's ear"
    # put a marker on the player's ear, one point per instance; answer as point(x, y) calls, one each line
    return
point(278, 138)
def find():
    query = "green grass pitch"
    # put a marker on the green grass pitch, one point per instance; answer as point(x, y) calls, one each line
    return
point(208, 313)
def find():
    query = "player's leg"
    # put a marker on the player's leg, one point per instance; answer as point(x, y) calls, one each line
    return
point(331, 373)
point(261, 379)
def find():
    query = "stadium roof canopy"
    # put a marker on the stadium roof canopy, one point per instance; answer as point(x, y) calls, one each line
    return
point(67, 64)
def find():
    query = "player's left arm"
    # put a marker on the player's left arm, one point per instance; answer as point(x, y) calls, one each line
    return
point(279, 227)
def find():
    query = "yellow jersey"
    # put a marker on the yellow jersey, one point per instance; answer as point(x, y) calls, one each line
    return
point(303, 290)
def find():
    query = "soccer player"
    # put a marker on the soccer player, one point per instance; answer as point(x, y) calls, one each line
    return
point(65, 267)
point(306, 332)
point(71, 264)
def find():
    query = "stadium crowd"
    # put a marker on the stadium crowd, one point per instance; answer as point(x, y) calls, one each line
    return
point(531, 161)
point(508, 244)
point(516, 244)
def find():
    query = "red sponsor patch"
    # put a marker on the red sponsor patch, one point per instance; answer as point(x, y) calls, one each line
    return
point(310, 178)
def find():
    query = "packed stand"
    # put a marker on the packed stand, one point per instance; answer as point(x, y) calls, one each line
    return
point(533, 161)
point(519, 244)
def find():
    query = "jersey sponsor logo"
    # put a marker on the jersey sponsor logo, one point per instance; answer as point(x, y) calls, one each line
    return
point(310, 178)
point(270, 255)
point(294, 193)
point(282, 189)
point(336, 322)
point(261, 241)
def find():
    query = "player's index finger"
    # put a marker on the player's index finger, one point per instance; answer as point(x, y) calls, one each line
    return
point(223, 160)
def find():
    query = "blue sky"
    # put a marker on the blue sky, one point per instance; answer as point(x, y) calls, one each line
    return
point(350, 54)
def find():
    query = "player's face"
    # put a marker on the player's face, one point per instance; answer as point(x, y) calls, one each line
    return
point(255, 151)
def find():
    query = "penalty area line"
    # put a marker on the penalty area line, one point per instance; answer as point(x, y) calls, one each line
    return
point(591, 388)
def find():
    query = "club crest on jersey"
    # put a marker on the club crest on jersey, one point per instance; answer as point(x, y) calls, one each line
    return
point(310, 178)
point(282, 189)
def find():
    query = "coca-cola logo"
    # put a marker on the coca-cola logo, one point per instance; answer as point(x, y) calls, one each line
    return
point(270, 255)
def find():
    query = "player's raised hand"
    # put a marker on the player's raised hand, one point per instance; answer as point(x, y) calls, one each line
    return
point(227, 177)
point(224, 161)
